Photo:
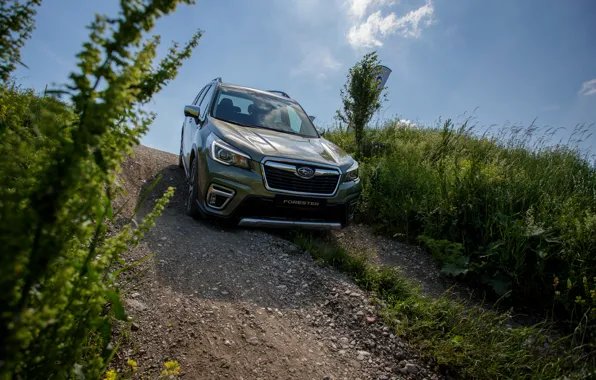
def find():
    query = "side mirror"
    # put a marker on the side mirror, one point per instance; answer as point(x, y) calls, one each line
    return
point(312, 118)
point(192, 111)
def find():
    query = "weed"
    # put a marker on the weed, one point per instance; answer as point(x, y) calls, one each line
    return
point(171, 368)
point(132, 364)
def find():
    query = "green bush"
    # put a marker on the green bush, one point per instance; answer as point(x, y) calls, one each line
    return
point(58, 162)
point(515, 219)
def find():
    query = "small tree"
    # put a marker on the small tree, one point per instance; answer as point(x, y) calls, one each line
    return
point(361, 96)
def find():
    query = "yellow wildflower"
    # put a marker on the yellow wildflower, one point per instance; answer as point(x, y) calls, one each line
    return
point(111, 375)
point(132, 364)
point(172, 368)
point(556, 282)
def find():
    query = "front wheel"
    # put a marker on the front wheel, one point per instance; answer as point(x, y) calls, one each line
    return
point(192, 207)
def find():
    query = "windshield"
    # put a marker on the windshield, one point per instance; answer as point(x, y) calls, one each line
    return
point(256, 109)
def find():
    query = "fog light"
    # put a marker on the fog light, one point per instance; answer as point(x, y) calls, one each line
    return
point(218, 196)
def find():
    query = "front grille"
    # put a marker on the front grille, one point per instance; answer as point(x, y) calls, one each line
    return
point(284, 180)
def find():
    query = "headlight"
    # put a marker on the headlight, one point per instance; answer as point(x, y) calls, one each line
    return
point(225, 154)
point(352, 173)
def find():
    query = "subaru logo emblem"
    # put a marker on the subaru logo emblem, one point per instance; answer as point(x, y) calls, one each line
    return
point(305, 172)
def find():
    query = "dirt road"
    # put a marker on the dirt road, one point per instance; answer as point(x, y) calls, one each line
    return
point(245, 304)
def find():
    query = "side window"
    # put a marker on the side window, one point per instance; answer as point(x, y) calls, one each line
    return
point(295, 121)
point(198, 96)
point(202, 96)
point(204, 103)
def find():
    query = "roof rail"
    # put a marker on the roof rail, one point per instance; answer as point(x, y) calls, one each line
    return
point(218, 79)
point(280, 93)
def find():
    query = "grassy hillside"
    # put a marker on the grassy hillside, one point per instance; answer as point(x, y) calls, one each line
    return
point(519, 221)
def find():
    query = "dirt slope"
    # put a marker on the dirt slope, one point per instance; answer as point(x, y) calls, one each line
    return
point(244, 304)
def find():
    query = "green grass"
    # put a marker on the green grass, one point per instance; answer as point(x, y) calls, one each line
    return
point(511, 214)
point(464, 341)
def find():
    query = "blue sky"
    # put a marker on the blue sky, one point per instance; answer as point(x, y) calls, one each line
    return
point(505, 61)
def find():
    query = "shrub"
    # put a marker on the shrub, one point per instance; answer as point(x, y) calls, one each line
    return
point(58, 162)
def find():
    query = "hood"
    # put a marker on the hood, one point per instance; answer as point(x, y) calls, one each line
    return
point(260, 143)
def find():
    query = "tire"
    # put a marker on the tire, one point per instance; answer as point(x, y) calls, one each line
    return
point(192, 208)
point(180, 164)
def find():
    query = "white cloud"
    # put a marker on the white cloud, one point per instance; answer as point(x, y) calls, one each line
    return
point(370, 32)
point(316, 62)
point(358, 7)
point(588, 88)
point(404, 124)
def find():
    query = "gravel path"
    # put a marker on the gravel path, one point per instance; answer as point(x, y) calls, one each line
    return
point(245, 304)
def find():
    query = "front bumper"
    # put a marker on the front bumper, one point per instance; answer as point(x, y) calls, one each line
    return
point(275, 223)
point(254, 205)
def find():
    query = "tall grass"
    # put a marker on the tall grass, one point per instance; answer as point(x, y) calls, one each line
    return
point(506, 211)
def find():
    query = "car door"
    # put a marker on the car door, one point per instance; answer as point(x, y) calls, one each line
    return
point(187, 131)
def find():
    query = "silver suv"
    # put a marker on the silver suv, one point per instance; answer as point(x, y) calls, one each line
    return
point(255, 157)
